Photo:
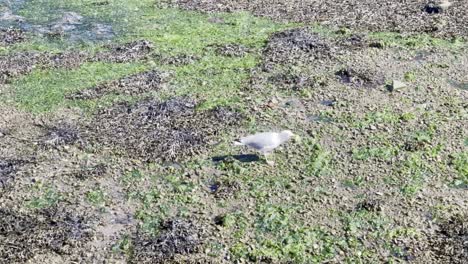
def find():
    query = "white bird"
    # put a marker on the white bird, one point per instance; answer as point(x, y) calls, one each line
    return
point(265, 142)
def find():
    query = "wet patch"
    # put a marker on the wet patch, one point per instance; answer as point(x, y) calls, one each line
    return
point(131, 85)
point(76, 28)
point(11, 36)
point(176, 236)
point(68, 22)
point(168, 131)
point(128, 52)
point(66, 25)
point(22, 236)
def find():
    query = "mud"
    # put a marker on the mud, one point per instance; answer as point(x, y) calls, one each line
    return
point(11, 36)
point(177, 236)
point(403, 16)
point(168, 131)
point(131, 85)
point(22, 236)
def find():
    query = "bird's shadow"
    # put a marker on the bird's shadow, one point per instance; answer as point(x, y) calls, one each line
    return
point(244, 158)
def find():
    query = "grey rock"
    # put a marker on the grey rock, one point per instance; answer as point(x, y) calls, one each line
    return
point(396, 85)
point(102, 31)
point(71, 18)
point(7, 15)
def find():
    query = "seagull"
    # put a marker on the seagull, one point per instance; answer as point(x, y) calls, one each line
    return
point(265, 142)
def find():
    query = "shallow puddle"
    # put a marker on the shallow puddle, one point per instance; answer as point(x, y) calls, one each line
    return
point(61, 24)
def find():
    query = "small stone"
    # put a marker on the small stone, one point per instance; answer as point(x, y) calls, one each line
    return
point(396, 85)
point(372, 127)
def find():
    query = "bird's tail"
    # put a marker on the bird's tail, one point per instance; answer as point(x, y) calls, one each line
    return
point(237, 143)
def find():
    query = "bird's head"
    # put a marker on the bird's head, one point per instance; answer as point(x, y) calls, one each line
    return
point(288, 134)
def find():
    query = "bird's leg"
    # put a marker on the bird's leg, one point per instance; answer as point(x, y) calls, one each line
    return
point(269, 162)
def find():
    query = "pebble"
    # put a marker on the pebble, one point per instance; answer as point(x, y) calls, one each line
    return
point(396, 85)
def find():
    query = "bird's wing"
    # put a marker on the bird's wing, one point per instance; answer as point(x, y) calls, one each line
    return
point(261, 140)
